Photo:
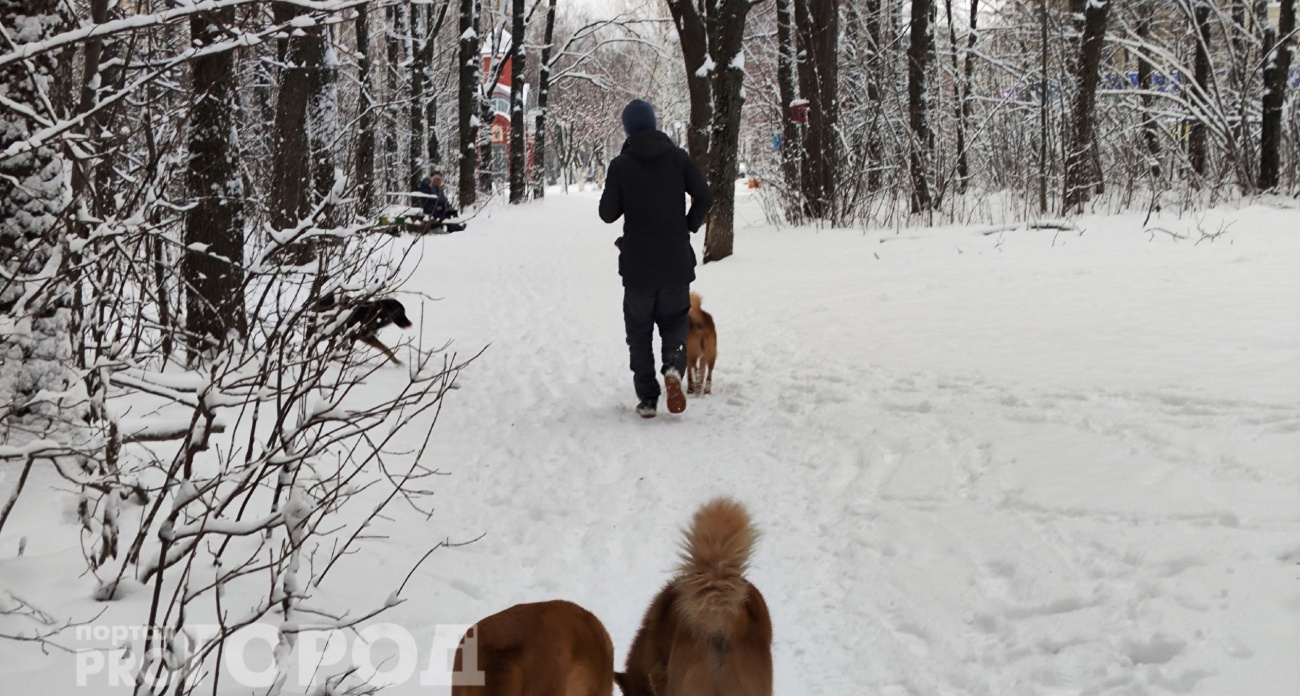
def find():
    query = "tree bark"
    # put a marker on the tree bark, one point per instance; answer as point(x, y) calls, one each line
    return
point(415, 168)
point(1078, 168)
point(1146, 82)
point(1197, 139)
point(393, 48)
point(299, 80)
point(726, 23)
point(694, 37)
point(875, 69)
point(518, 56)
point(920, 54)
point(543, 99)
point(212, 263)
point(1043, 108)
point(433, 144)
point(467, 102)
point(1276, 70)
point(817, 23)
point(963, 89)
point(365, 173)
point(791, 149)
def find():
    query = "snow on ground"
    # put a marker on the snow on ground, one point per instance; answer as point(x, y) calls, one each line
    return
point(1028, 462)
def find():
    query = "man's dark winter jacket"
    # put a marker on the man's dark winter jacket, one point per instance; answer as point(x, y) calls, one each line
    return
point(647, 185)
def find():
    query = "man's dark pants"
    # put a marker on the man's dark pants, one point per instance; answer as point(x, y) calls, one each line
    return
point(644, 308)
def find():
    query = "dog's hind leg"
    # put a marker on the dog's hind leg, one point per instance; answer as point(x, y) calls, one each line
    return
point(377, 345)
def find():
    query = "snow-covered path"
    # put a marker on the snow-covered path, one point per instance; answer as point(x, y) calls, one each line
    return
point(1026, 462)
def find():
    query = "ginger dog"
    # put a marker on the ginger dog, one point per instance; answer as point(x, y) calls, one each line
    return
point(554, 648)
point(707, 633)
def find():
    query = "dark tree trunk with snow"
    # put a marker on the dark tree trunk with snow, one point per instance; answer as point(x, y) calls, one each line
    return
point(365, 174)
point(33, 197)
point(518, 161)
point(1196, 139)
point(874, 71)
point(963, 89)
point(920, 54)
point(468, 103)
point(694, 36)
point(100, 73)
point(726, 24)
point(1276, 70)
point(432, 144)
point(791, 148)
point(322, 128)
point(393, 47)
point(1146, 82)
point(419, 76)
point(543, 99)
point(212, 263)
point(300, 83)
point(817, 23)
point(486, 164)
point(1078, 166)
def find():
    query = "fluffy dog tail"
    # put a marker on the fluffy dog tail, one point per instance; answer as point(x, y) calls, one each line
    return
point(696, 314)
point(715, 555)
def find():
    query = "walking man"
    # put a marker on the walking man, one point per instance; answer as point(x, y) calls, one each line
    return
point(646, 185)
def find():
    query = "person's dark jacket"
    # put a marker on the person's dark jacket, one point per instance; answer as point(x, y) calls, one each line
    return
point(646, 185)
point(437, 207)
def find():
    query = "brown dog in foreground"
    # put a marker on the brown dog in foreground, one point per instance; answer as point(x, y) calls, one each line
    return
point(366, 319)
point(552, 648)
point(707, 633)
point(701, 349)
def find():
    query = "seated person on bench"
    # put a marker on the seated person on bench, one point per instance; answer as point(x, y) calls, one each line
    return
point(434, 202)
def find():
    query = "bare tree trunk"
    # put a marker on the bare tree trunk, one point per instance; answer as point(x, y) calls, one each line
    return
point(1276, 71)
point(486, 172)
point(1196, 141)
point(1042, 110)
point(791, 148)
point(393, 47)
point(920, 53)
point(291, 166)
point(1146, 81)
point(874, 69)
point(322, 127)
point(212, 264)
point(1242, 72)
point(817, 22)
point(467, 102)
point(433, 146)
point(694, 36)
point(725, 20)
point(96, 76)
point(1078, 169)
point(962, 88)
point(415, 151)
point(518, 56)
point(366, 138)
point(543, 98)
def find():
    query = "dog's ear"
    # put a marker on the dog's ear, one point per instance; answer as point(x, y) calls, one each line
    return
point(620, 678)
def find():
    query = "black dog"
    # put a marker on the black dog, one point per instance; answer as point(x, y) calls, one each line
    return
point(367, 318)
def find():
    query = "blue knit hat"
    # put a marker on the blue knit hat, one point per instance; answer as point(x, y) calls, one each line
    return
point(638, 116)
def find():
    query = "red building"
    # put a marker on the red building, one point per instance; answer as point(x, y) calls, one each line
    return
point(499, 97)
